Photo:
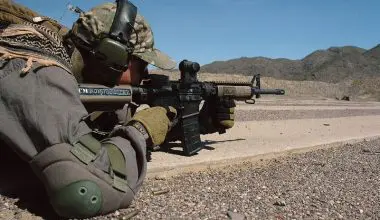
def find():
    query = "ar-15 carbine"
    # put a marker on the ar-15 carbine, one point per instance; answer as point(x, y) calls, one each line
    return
point(185, 95)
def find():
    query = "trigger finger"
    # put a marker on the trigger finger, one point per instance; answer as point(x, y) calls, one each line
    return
point(171, 112)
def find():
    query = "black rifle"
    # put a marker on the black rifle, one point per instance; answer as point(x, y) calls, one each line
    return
point(185, 95)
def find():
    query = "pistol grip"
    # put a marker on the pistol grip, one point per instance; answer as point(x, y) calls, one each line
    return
point(191, 139)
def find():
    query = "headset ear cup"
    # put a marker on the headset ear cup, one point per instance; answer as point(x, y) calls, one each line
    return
point(125, 14)
point(112, 53)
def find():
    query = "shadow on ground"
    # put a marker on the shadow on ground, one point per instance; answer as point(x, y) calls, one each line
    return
point(176, 148)
point(18, 182)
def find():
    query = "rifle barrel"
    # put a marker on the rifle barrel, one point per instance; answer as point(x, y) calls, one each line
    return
point(268, 91)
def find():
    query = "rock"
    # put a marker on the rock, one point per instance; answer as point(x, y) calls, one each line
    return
point(345, 98)
point(235, 216)
point(27, 216)
point(160, 177)
point(280, 203)
point(117, 213)
point(7, 214)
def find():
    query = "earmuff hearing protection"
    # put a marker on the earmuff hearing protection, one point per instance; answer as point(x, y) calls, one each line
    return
point(114, 49)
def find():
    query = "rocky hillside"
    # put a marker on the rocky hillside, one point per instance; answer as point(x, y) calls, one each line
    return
point(334, 64)
point(332, 73)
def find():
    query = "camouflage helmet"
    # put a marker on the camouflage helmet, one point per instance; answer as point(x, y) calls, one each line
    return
point(91, 26)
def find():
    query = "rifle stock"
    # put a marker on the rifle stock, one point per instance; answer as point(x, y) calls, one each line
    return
point(185, 95)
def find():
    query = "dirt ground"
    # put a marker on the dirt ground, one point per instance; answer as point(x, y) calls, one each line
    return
point(274, 125)
point(331, 183)
point(284, 159)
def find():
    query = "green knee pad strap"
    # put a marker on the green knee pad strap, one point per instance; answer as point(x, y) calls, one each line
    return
point(78, 199)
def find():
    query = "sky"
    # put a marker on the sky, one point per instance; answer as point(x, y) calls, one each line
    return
point(216, 30)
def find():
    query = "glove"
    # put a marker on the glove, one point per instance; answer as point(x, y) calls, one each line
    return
point(217, 115)
point(157, 121)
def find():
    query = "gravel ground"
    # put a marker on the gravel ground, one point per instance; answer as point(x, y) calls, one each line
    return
point(260, 115)
point(335, 183)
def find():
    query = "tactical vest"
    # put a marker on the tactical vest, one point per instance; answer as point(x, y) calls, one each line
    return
point(26, 34)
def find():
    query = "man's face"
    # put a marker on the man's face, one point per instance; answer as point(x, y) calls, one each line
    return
point(137, 70)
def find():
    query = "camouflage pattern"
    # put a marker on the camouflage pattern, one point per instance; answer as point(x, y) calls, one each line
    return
point(26, 34)
point(35, 43)
point(94, 24)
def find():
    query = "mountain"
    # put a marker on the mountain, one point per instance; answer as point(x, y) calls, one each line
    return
point(334, 64)
point(374, 52)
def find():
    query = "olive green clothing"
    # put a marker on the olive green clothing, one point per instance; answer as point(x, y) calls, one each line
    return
point(94, 24)
point(41, 120)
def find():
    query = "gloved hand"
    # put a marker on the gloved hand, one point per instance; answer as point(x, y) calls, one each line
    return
point(157, 122)
point(217, 115)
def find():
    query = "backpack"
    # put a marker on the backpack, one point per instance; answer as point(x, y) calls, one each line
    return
point(13, 13)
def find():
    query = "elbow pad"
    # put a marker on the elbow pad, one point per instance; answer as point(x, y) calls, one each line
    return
point(82, 183)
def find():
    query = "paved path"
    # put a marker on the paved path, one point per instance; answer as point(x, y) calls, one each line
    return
point(251, 138)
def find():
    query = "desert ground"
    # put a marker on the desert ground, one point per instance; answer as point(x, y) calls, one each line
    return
point(285, 158)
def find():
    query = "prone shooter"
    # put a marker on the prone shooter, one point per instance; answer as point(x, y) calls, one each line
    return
point(185, 95)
